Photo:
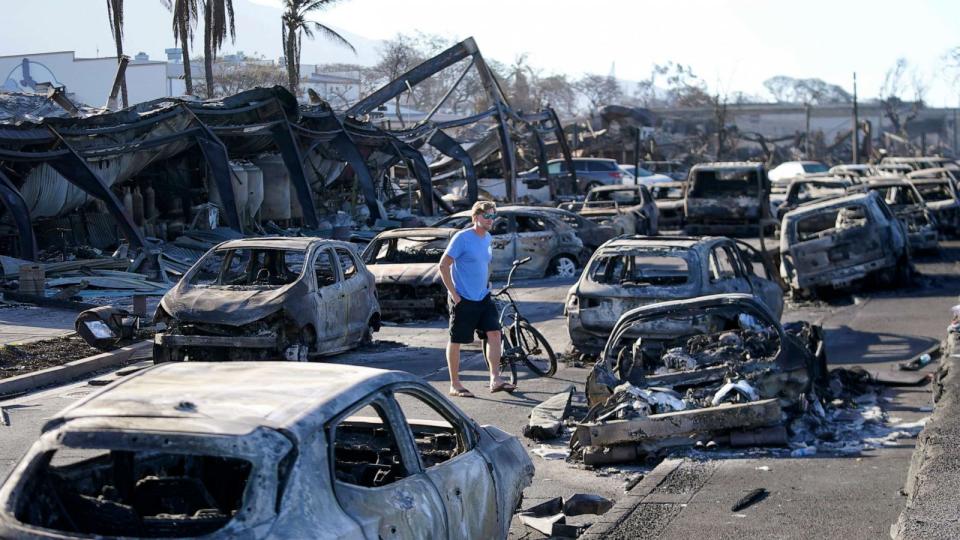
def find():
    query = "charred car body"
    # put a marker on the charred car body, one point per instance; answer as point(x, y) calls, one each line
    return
point(908, 206)
point(528, 231)
point(835, 242)
point(630, 272)
point(939, 191)
point(804, 190)
point(726, 198)
point(264, 298)
point(668, 197)
point(627, 209)
point(673, 371)
point(404, 264)
point(323, 451)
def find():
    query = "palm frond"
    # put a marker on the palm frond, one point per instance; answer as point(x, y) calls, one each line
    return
point(332, 35)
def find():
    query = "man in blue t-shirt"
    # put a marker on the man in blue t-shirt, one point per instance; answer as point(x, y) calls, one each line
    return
point(468, 255)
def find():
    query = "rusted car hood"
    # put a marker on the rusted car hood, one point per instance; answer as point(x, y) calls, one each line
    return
point(225, 306)
point(417, 275)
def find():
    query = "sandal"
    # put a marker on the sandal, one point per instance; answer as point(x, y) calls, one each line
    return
point(502, 386)
point(463, 392)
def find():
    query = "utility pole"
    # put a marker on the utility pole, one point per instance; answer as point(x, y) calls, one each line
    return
point(856, 123)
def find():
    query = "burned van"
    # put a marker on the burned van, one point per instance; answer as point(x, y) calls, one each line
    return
point(728, 198)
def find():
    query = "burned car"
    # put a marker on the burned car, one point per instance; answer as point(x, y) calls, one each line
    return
point(628, 209)
point(908, 206)
point(673, 371)
point(629, 272)
point(404, 264)
point(726, 198)
point(939, 192)
point(668, 197)
point(263, 450)
point(268, 298)
point(835, 242)
point(593, 235)
point(803, 190)
point(528, 231)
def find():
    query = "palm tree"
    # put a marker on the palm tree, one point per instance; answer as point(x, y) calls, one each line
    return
point(217, 22)
point(295, 26)
point(115, 14)
point(185, 16)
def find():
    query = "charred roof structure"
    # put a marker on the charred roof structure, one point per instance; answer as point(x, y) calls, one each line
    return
point(260, 159)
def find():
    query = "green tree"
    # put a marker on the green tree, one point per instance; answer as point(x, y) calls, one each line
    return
point(115, 14)
point(186, 13)
point(295, 26)
point(218, 21)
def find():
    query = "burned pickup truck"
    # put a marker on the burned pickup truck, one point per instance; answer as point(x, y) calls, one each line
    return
point(268, 298)
point(731, 198)
point(630, 272)
point(909, 207)
point(628, 209)
point(703, 368)
point(263, 450)
point(404, 264)
point(835, 242)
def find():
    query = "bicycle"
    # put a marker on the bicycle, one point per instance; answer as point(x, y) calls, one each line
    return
point(520, 341)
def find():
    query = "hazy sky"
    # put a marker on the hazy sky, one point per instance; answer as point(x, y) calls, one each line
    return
point(732, 44)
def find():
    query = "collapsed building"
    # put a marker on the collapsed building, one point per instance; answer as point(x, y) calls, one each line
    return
point(153, 175)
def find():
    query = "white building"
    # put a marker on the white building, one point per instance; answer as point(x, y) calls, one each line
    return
point(87, 80)
point(339, 89)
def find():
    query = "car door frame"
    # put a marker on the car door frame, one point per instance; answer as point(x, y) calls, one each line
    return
point(353, 293)
point(428, 505)
point(468, 506)
point(768, 288)
point(506, 243)
point(539, 261)
point(738, 281)
point(330, 306)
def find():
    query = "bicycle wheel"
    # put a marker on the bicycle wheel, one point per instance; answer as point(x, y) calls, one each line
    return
point(536, 352)
point(506, 366)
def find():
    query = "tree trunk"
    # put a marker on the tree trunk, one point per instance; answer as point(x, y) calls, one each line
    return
point(123, 80)
point(290, 54)
point(208, 48)
point(185, 51)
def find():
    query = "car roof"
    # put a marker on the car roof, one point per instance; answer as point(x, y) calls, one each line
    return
point(417, 231)
point(881, 181)
point(686, 242)
point(819, 204)
point(281, 242)
point(618, 187)
point(728, 165)
point(274, 394)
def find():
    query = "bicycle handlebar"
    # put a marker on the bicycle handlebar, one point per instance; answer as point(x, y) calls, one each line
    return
point(517, 263)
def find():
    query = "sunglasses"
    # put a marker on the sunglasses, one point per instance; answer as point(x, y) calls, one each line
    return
point(488, 216)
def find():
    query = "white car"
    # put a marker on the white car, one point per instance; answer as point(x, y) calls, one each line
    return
point(783, 172)
point(645, 177)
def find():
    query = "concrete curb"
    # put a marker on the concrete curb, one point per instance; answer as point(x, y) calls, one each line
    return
point(934, 476)
point(606, 523)
point(70, 370)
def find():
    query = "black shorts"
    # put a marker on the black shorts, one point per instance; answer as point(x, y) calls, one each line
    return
point(469, 316)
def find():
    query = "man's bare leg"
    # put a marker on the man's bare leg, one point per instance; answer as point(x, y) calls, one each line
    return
point(493, 355)
point(453, 364)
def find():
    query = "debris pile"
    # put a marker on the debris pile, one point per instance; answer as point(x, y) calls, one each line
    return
point(550, 517)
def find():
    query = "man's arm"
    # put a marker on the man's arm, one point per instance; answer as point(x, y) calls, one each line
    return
point(445, 263)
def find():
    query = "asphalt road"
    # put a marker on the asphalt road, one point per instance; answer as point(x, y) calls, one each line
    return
point(814, 497)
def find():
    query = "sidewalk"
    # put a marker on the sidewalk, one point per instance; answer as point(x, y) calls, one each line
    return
point(23, 323)
point(934, 477)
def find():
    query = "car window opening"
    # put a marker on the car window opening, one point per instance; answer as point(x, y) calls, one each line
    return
point(146, 494)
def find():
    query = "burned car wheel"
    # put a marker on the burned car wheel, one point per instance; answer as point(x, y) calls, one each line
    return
point(563, 266)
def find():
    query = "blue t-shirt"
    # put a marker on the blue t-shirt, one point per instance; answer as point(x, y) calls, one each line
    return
point(471, 256)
